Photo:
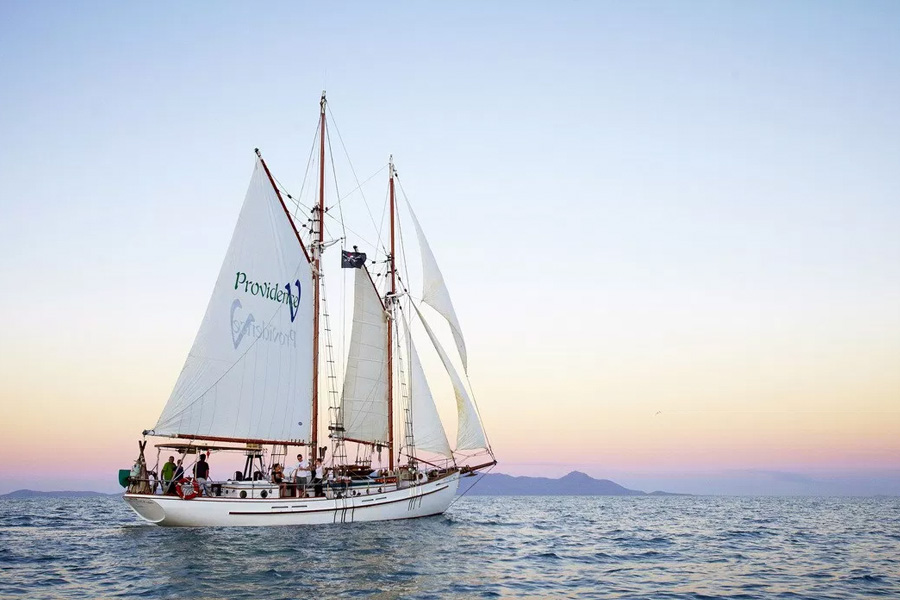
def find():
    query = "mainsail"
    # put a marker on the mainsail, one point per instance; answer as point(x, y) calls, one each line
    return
point(428, 431)
point(249, 373)
point(434, 292)
point(470, 434)
point(365, 395)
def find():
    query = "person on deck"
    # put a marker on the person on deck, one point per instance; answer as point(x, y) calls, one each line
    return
point(168, 475)
point(318, 477)
point(300, 475)
point(201, 472)
point(278, 477)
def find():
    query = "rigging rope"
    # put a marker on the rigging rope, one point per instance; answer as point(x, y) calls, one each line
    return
point(352, 169)
point(491, 468)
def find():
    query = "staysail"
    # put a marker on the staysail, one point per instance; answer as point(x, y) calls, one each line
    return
point(470, 434)
point(434, 292)
point(365, 394)
point(428, 431)
point(249, 373)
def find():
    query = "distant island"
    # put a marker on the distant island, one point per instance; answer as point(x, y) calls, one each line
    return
point(575, 483)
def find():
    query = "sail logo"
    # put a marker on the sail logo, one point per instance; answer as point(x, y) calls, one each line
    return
point(294, 309)
point(263, 331)
point(270, 291)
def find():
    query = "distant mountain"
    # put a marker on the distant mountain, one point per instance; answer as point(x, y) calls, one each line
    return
point(575, 483)
point(19, 494)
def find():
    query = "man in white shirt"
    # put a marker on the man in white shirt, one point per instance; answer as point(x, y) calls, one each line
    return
point(300, 475)
point(318, 477)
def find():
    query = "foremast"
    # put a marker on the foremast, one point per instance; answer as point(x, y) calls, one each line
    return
point(318, 240)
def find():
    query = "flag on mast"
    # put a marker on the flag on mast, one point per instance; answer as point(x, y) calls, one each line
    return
point(352, 260)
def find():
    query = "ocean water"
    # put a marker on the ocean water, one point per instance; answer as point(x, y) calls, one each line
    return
point(484, 547)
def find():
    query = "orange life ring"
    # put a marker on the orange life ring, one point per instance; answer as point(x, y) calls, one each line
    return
point(189, 483)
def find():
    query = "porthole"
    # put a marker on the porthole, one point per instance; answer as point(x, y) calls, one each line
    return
point(243, 493)
point(264, 494)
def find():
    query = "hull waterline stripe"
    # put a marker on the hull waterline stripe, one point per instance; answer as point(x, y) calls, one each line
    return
point(289, 512)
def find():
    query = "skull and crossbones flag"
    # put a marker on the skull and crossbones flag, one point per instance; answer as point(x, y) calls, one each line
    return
point(352, 260)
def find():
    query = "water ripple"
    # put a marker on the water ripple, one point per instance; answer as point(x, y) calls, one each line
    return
point(677, 548)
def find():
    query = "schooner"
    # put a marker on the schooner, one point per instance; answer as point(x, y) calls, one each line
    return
point(260, 381)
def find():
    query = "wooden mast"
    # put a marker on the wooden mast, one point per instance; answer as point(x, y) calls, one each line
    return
point(390, 335)
point(317, 265)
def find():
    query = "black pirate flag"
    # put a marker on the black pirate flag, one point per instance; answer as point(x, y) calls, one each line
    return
point(352, 260)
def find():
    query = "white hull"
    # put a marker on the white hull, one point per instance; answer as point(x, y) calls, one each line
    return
point(424, 500)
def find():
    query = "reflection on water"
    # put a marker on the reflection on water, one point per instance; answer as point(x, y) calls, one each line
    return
point(680, 547)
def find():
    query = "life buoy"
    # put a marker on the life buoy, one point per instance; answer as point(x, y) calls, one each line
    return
point(187, 488)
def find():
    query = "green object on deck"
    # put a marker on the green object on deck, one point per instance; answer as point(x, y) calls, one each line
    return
point(124, 474)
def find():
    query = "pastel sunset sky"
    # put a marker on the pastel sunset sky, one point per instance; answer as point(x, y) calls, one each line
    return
point(671, 230)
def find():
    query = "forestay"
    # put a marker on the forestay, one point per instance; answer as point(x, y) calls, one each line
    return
point(428, 431)
point(470, 434)
point(434, 290)
point(365, 394)
point(249, 372)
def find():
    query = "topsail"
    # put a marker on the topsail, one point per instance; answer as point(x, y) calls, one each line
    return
point(249, 373)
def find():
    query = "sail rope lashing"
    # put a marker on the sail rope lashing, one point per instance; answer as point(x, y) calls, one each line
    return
point(298, 205)
point(474, 483)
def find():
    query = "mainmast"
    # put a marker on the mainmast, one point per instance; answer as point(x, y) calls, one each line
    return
point(317, 274)
point(390, 330)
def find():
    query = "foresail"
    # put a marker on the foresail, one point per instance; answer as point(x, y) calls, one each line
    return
point(470, 434)
point(434, 292)
point(428, 431)
point(365, 394)
point(249, 372)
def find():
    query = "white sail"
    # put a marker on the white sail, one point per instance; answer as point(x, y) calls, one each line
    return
point(249, 373)
point(365, 395)
point(428, 431)
point(434, 290)
point(470, 434)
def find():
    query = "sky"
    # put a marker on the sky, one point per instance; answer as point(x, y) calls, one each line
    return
point(671, 230)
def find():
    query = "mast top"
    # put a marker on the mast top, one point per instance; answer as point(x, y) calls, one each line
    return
point(322, 102)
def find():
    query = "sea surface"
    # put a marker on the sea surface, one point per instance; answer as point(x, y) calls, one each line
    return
point(483, 547)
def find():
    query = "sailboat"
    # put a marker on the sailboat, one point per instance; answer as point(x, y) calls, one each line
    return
point(260, 381)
